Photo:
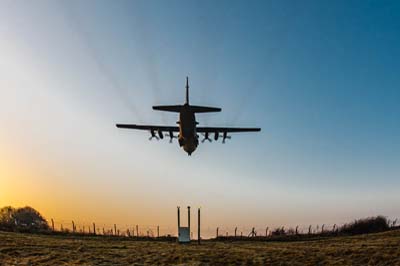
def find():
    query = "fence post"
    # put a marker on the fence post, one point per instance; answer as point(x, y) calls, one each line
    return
point(179, 218)
point(198, 226)
point(188, 207)
point(137, 230)
point(253, 232)
point(266, 231)
point(94, 228)
point(297, 232)
point(115, 229)
point(235, 231)
point(158, 231)
point(309, 230)
point(322, 229)
point(217, 232)
point(52, 224)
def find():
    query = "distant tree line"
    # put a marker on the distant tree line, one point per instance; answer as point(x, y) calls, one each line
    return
point(25, 219)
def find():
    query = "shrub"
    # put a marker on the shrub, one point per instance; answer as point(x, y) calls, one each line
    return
point(278, 232)
point(365, 226)
point(24, 219)
point(7, 218)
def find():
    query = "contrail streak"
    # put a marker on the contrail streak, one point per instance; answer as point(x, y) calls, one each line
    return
point(103, 69)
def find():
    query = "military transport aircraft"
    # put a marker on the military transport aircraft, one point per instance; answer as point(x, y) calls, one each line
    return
point(187, 125)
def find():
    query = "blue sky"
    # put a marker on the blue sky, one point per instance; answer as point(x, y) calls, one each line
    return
point(319, 77)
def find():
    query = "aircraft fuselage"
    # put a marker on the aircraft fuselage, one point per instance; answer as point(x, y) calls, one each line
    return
point(187, 138)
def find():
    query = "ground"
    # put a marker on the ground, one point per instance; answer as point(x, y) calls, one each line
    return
point(27, 249)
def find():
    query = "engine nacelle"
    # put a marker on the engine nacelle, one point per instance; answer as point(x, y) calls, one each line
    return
point(216, 135)
point(160, 134)
point(225, 136)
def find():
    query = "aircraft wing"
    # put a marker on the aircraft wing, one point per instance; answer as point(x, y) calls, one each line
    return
point(149, 127)
point(227, 129)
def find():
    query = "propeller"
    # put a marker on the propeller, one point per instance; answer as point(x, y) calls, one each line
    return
point(171, 136)
point(206, 137)
point(153, 135)
point(216, 135)
point(225, 136)
point(160, 134)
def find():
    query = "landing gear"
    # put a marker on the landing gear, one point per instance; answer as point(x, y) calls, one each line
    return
point(181, 142)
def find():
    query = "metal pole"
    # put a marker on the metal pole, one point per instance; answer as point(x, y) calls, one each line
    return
point(179, 218)
point(198, 226)
point(189, 218)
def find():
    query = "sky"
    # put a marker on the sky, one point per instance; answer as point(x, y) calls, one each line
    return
point(321, 78)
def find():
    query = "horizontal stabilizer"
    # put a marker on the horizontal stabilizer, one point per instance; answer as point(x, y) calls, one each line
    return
point(204, 109)
point(168, 108)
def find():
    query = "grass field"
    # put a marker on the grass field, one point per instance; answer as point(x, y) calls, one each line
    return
point(26, 249)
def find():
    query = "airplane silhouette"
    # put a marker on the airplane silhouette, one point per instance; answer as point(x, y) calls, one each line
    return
point(187, 125)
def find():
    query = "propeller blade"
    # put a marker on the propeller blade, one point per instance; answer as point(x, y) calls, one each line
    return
point(206, 137)
point(224, 138)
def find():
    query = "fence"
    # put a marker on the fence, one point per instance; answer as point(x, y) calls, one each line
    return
point(159, 231)
point(106, 229)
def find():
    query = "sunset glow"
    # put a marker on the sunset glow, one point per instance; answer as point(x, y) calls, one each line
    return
point(326, 96)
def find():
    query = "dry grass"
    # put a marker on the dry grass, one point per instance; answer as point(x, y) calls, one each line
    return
point(25, 249)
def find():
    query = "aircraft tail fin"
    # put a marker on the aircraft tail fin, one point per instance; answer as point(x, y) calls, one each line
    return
point(187, 90)
point(194, 108)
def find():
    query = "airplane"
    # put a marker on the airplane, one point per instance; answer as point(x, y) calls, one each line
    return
point(187, 125)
